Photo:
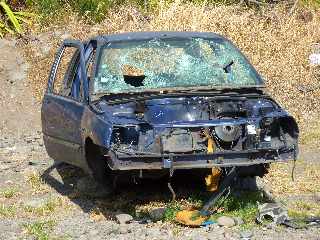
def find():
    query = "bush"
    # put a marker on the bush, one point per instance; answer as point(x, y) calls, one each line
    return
point(93, 10)
point(46, 7)
point(10, 20)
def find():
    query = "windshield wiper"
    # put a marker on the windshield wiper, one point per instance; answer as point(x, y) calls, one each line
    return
point(227, 68)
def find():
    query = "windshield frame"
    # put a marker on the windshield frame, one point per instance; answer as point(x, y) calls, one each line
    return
point(103, 45)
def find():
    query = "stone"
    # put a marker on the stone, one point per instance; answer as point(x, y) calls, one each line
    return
point(260, 183)
point(238, 220)
point(124, 218)
point(246, 235)
point(45, 50)
point(226, 221)
point(157, 214)
point(123, 229)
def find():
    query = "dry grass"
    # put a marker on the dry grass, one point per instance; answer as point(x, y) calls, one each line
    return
point(306, 180)
point(277, 44)
point(36, 183)
point(49, 208)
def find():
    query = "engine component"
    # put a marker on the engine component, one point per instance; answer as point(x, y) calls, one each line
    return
point(178, 141)
point(228, 133)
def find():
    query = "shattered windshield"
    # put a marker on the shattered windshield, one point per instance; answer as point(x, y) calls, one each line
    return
point(172, 63)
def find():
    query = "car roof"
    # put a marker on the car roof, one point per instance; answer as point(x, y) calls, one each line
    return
point(150, 35)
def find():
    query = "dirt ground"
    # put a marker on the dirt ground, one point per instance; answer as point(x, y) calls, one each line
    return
point(39, 202)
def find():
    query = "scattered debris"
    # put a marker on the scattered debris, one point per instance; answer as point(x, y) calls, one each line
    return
point(275, 211)
point(191, 218)
point(198, 218)
point(212, 180)
point(124, 218)
point(302, 223)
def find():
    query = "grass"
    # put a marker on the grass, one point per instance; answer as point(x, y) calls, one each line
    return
point(311, 138)
point(47, 209)
point(40, 230)
point(303, 208)
point(276, 43)
point(12, 21)
point(243, 206)
point(36, 183)
point(171, 211)
point(10, 193)
point(307, 179)
point(7, 210)
point(96, 10)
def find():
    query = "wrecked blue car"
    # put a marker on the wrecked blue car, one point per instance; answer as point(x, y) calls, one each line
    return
point(162, 101)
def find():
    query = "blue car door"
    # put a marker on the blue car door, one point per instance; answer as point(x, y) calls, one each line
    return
point(64, 103)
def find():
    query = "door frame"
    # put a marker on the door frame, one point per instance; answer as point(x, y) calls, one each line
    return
point(83, 74)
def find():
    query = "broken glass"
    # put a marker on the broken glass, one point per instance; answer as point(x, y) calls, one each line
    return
point(170, 63)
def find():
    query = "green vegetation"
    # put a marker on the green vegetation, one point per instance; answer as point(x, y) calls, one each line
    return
point(40, 230)
point(10, 20)
point(7, 211)
point(314, 3)
point(9, 193)
point(243, 206)
point(36, 183)
point(46, 209)
point(171, 211)
point(94, 10)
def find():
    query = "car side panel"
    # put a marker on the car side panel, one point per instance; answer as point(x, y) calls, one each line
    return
point(61, 123)
point(97, 128)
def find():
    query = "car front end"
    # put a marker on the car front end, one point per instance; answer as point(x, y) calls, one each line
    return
point(187, 102)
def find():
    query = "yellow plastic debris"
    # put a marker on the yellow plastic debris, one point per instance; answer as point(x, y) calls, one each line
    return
point(191, 218)
point(210, 145)
point(212, 180)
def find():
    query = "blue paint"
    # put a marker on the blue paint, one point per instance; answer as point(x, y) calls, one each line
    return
point(68, 121)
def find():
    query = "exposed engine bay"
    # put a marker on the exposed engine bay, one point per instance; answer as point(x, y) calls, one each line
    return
point(198, 126)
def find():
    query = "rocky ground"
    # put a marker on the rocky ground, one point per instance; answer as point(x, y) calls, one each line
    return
point(40, 201)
